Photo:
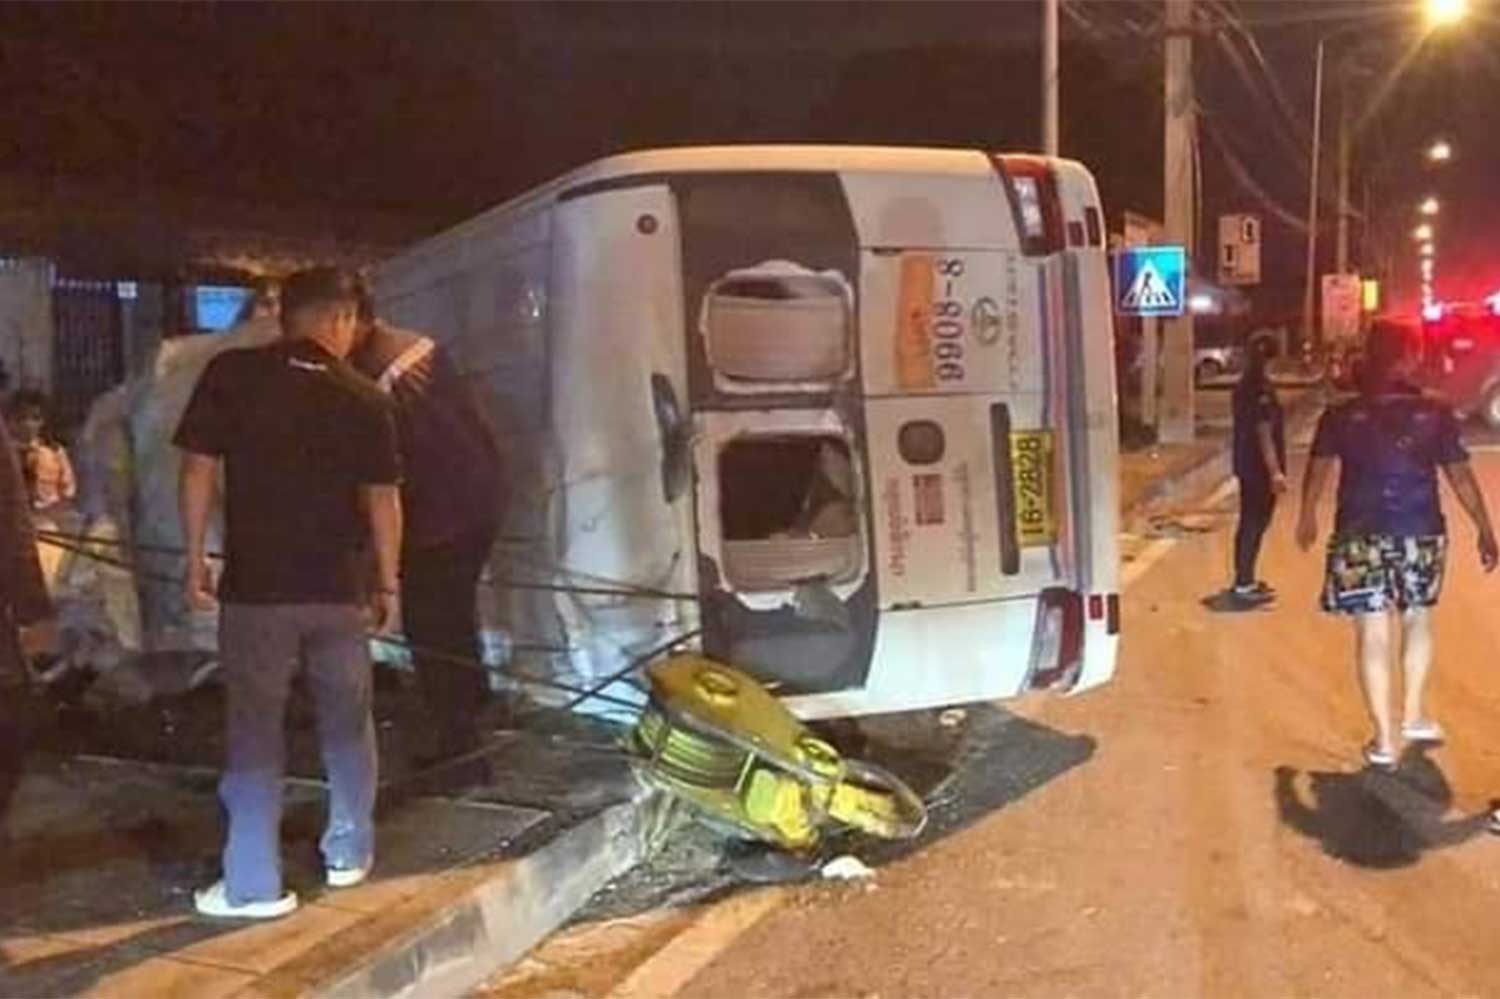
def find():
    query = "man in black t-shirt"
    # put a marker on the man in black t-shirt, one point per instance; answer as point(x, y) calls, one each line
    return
point(1260, 466)
point(311, 478)
point(452, 499)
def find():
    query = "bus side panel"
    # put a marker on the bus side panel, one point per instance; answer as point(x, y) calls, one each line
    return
point(1088, 308)
point(483, 297)
point(617, 322)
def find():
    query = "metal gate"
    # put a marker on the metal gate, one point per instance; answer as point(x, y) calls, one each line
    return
point(88, 352)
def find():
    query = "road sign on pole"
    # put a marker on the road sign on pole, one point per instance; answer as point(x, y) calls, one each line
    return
point(1342, 298)
point(1151, 281)
point(1239, 249)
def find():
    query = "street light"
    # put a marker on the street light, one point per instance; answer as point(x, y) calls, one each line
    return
point(1430, 206)
point(1427, 250)
point(1439, 14)
point(1422, 233)
point(1442, 13)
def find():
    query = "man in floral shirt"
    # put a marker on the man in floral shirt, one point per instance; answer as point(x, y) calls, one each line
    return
point(1390, 540)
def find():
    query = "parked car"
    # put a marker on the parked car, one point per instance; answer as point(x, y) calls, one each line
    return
point(1211, 363)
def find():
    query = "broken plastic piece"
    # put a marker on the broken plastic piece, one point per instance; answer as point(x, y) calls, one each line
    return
point(847, 868)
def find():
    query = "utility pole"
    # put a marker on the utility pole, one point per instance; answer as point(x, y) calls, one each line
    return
point(1177, 423)
point(1346, 152)
point(1050, 132)
point(1310, 293)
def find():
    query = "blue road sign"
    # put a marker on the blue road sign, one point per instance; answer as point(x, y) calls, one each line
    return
point(1151, 281)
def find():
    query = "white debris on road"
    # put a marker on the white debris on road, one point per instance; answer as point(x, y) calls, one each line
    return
point(953, 717)
point(847, 868)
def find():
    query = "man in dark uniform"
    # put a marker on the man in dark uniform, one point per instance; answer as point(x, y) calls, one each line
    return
point(311, 475)
point(25, 616)
point(452, 495)
point(1389, 546)
point(1260, 466)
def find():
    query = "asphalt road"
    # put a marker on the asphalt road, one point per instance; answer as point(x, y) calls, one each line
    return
point(1222, 840)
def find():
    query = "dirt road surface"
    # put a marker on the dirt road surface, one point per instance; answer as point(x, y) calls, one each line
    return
point(1222, 841)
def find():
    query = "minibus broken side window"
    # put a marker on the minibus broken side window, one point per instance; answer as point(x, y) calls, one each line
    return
point(788, 511)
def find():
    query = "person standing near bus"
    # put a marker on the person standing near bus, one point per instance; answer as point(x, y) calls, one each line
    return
point(44, 461)
point(26, 617)
point(311, 477)
point(452, 495)
point(1260, 466)
point(1389, 546)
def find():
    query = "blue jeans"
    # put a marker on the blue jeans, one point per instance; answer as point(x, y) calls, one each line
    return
point(261, 647)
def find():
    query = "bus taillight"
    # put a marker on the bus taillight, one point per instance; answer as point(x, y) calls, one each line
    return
point(1032, 190)
point(1106, 608)
point(1057, 641)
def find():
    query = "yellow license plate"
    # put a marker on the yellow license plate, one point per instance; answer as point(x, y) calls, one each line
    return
point(1031, 456)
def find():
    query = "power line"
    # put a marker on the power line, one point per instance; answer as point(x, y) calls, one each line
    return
point(1229, 10)
point(1306, 14)
point(1247, 181)
point(1297, 151)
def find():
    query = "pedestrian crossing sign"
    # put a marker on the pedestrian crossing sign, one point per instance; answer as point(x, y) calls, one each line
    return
point(1150, 281)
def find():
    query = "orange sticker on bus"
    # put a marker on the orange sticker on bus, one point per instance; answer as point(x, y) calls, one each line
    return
point(913, 323)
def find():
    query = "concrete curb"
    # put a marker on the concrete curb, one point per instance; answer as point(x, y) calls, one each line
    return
point(1215, 468)
point(475, 920)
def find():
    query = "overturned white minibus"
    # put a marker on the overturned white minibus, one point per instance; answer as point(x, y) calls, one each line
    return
point(844, 415)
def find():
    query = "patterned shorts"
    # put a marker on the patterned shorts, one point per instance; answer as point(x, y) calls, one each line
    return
point(1371, 573)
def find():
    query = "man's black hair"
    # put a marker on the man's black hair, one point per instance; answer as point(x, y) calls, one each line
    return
point(1386, 346)
point(317, 286)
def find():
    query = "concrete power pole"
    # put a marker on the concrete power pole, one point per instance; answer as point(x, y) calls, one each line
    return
point(1311, 329)
point(1346, 152)
point(1177, 422)
point(1050, 132)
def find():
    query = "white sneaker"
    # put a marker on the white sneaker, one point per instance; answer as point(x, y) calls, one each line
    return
point(1422, 731)
point(1379, 757)
point(214, 901)
point(348, 877)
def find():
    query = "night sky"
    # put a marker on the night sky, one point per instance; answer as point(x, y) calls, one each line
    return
point(432, 112)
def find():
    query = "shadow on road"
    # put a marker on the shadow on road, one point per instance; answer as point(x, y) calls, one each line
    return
point(997, 759)
point(1225, 602)
point(1373, 818)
